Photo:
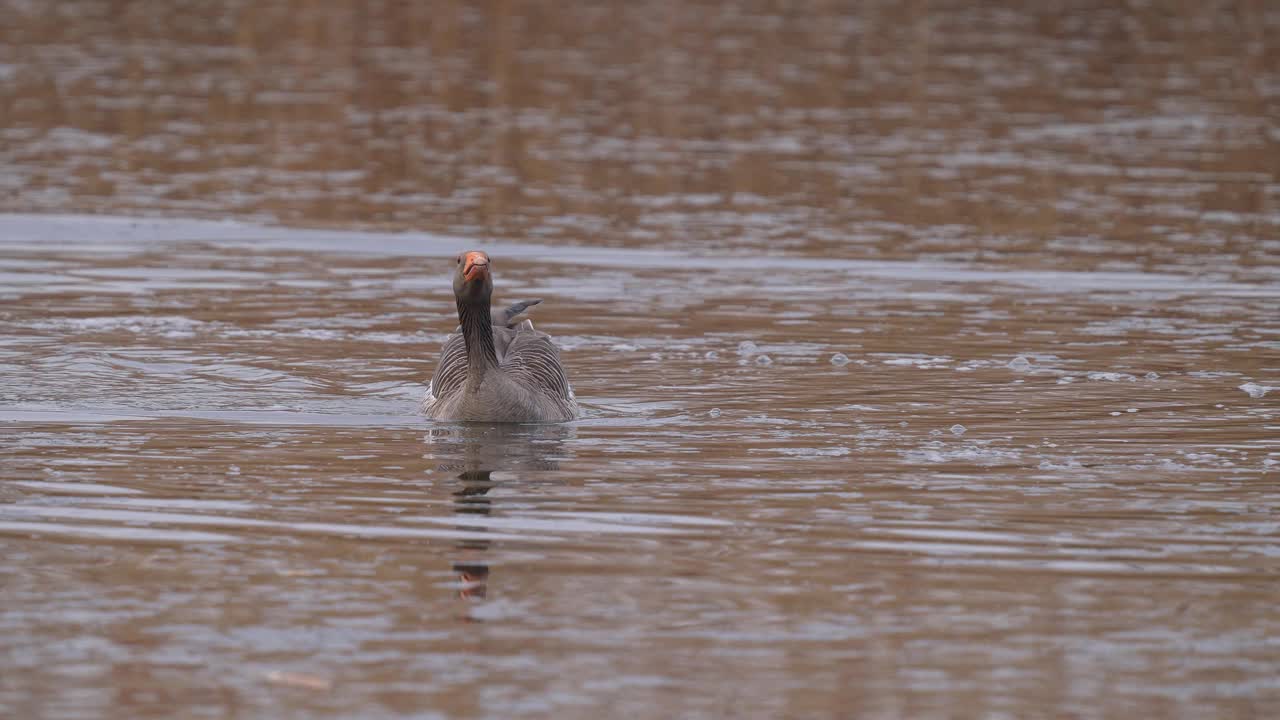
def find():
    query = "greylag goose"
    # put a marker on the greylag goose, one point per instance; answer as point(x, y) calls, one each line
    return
point(496, 367)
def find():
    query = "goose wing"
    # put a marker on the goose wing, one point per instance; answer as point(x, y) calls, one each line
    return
point(512, 315)
point(534, 360)
point(451, 372)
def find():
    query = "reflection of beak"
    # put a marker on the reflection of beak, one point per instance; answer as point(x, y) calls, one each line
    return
point(473, 585)
point(477, 267)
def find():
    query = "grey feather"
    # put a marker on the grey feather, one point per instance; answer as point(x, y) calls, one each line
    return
point(511, 316)
point(534, 358)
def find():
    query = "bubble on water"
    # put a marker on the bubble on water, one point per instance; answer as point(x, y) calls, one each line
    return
point(1115, 412)
point(1111, 376)
point(1255, 390)
point(655, 356)
point(715, 412)
point(712, 355)
point(1153, 375)
point(1066, 380)
point(1019, 364)
point(1068, 464)
point(935, 432)
point(958, 429)
point(746, 347)
point(1132, 410)
point(763, 360)
point(938, 452)
point(839, 451)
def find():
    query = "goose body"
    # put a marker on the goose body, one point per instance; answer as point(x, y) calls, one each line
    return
point(496, 367)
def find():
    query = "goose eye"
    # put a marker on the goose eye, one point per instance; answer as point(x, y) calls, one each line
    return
point(458, 259)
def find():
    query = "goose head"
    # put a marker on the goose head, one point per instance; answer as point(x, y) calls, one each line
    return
point(472, 280)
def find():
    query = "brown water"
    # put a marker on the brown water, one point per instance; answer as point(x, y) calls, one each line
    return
point(930, 359)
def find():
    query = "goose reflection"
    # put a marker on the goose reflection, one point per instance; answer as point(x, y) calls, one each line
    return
point(474, 454)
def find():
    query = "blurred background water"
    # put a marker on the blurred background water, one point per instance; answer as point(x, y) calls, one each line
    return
point(929, 353)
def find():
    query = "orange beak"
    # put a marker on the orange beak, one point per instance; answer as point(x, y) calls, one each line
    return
point(474, 266)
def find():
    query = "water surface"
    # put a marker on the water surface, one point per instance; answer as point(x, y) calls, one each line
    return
point(801, 484)
point(929, 355)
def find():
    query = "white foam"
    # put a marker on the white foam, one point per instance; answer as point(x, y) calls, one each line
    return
point(1256, 391)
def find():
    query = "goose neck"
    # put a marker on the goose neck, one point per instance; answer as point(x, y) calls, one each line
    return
point(477, 333)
